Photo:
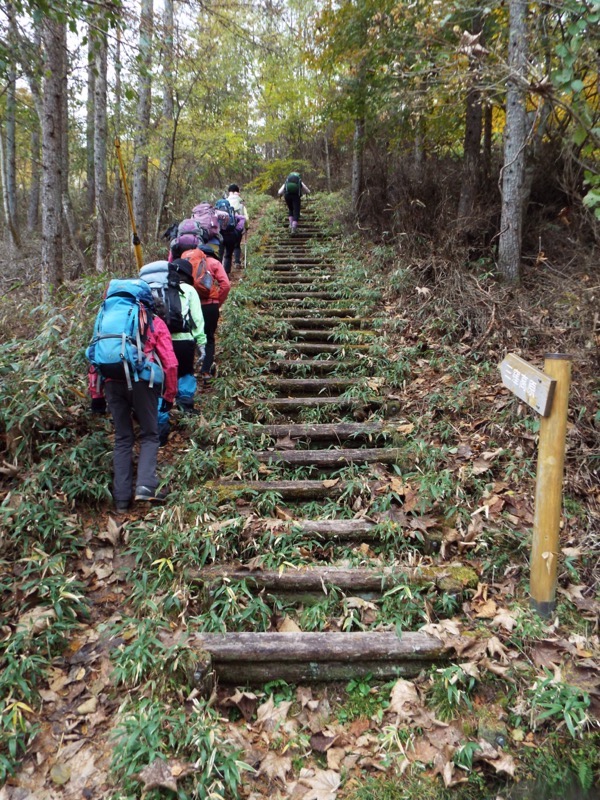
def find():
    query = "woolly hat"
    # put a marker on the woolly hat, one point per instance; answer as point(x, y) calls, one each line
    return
point(183, 268)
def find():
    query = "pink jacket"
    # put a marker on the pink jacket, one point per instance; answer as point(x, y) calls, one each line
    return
point(160, 341)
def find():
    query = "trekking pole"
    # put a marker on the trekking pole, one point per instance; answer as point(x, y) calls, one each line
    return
point(245, 249)
point(137, 245)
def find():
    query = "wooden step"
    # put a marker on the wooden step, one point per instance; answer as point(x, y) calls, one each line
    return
point(288, 490)
point(327, 432)
point(287, 269)
point(300, 277)
point(302, 294)
point(315, 347)
point(448, 577)
point(294, 311)
point(325, 322)
point(288, 405)
point(313, 287)
point(296, 386)
point(293, 365)
point(319, 335)
point(244, 658)
point(330, 459)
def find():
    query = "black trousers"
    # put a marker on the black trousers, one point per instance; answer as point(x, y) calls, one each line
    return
point(122, 402)
point(210, 312)
point(231, 248)
point(185, 350)
point(293, 204)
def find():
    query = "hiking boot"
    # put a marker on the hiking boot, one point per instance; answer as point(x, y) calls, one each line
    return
point(122, 506)
point(207, 380)
point(237, 264)
point(147, 495)
point(214, 369)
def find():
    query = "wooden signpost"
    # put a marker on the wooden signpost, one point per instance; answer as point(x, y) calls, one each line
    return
point(548, 393)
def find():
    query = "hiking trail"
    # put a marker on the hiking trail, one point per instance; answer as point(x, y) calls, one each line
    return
point(312, 371)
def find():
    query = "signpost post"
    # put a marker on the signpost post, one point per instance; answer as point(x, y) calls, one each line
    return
point(548, 393)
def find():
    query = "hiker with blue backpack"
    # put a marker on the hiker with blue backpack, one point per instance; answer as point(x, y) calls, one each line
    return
point(133, 364)
point(292, 190)
point(232, 230)
point(173, 284)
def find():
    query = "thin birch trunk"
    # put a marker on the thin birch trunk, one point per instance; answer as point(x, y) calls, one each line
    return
point(327, 160)
point(13, 233)
point(100, 135)
point(419, 145)
point(515, 140)
point(357, 162)
point(52, 265)
point(90, 195)
point(168, 116)
point(486, 163)
point(140, 162)
point(117, 123)
point(471, 171)
point(11, 144)
point(67, 204)
point(33, 209)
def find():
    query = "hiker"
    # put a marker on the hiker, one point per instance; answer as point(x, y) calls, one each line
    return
point(203, 226)
point(239, 207)
point(292, 190)
point(212, 284)
point(174, 284)
point(132, 360)
point(231, 232)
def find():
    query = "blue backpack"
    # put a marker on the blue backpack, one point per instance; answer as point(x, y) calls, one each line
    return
point(225, 205)
point(120, 331)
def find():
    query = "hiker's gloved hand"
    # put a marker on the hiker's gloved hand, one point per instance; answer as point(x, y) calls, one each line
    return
point(98, 405)
point(167, 405)
point(201, 352)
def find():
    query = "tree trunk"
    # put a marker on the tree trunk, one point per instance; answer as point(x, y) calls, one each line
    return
point(8, 216)
point(67, 205)
point(327, 160)
point(33, 69)
point(357, 162)
point(33, 209)
point(168, 117)
point(90, 195)
point(52, 264)
point(117, 193)
point(11, 145)
point(471, 170)
point(140, 166)
point(419, 145)
point(515, 139)
point(100, 135)
point(487, 140)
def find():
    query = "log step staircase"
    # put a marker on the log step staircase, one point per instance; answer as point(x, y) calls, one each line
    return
point(313, 372)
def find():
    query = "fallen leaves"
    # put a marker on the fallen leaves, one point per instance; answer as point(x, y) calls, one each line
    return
point(323, 784)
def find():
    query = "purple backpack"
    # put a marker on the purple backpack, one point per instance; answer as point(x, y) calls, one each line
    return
point(206, 216)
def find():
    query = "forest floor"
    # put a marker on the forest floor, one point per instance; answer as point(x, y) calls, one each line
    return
point(101, 691)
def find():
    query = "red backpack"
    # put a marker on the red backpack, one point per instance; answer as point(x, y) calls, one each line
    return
point(204, 281)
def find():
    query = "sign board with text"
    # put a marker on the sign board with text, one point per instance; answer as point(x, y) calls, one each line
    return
point(529, 384)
